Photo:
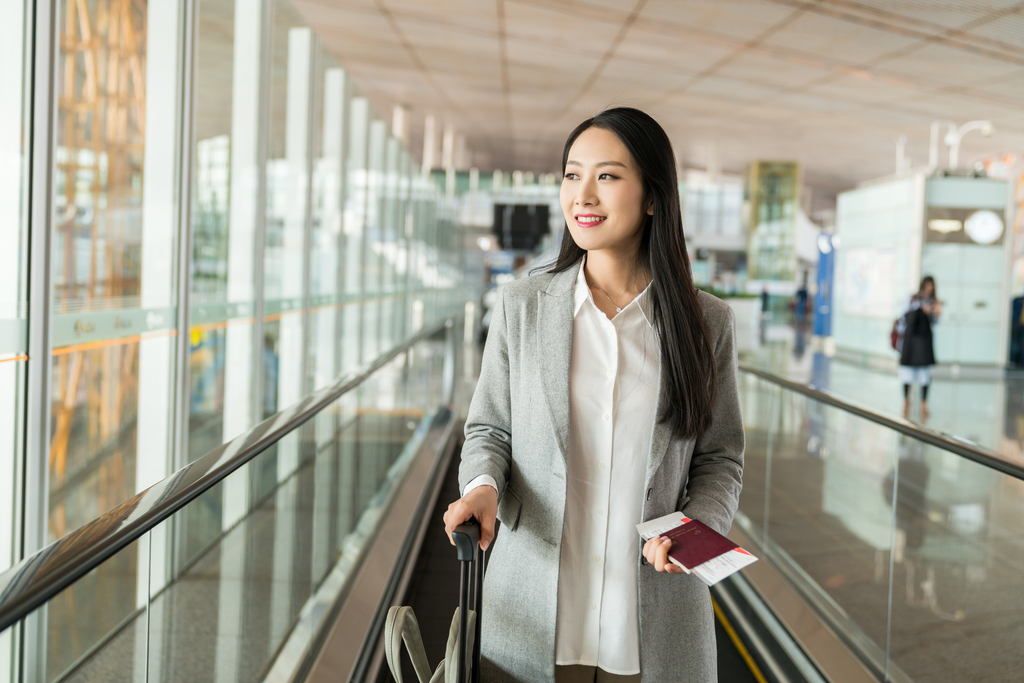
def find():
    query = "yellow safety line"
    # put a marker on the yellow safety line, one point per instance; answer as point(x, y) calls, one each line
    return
point(738, 643)
point(22, 357)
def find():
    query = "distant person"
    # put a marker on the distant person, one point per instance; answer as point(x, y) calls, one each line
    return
point(607, 397)
point(801, 303)
point(764, 300)
point(918, 354)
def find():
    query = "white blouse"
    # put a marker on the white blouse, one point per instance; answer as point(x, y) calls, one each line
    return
point(614, 376)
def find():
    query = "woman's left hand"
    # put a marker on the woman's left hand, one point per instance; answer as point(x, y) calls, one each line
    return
point(656, 553)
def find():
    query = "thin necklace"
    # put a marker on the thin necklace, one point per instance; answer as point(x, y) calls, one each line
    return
point(617, 309)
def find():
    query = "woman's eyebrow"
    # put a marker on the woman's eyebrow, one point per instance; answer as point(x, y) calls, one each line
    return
point(600, 163)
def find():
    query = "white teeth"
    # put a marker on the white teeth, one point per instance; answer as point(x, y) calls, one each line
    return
point(590, 219)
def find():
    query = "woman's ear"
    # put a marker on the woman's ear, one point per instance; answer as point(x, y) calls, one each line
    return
point(650, 208)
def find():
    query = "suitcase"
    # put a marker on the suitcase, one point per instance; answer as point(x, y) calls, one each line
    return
point(462, 657)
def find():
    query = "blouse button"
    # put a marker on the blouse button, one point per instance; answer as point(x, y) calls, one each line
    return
point(600, 511)
point(593, 605)
point(610, 373)
point(605, 417)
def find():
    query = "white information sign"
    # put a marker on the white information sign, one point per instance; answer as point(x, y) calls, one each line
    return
point(868, 283)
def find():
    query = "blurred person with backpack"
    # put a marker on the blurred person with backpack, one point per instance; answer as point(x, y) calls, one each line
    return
point(917, 355)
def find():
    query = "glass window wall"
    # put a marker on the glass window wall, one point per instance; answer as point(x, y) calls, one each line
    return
point(13, 258)
point(306, 228)
point(114, 303)
point(114, 306)
point(14, 127)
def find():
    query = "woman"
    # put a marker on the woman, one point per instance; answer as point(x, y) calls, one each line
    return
point(607, 397)
point(918, 353)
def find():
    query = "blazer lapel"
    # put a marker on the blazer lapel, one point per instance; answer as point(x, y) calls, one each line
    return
point(554, 346)
point(660, 438)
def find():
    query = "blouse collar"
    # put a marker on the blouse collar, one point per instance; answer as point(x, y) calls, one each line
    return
point(581, 293)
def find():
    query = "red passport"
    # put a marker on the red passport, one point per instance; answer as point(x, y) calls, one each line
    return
point(697, 548)
point(694, 543)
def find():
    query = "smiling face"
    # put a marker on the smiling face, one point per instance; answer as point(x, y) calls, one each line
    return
point(602, 193)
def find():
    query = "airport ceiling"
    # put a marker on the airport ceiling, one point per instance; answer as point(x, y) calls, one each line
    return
point(828, 83)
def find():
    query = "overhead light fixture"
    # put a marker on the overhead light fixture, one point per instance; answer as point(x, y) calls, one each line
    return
point(944, 225)
point(485, 243)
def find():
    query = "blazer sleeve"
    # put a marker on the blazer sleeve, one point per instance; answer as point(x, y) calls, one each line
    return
point(488, 446)
point(716, 468)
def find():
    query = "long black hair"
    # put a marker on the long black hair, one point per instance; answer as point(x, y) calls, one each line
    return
point(920, 290)
point(687, 357)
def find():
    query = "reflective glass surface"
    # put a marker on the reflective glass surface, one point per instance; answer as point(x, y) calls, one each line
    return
point(114, 305)
point(14, 128)
point(225, 613)
point(326, 266)
point(224, 223)
point(78, 622)
point(840, 504)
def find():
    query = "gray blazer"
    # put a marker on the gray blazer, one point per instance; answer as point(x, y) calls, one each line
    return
point(516, 431)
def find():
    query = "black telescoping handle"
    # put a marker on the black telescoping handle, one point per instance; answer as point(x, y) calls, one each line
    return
point(467, 540)
point(467, 543)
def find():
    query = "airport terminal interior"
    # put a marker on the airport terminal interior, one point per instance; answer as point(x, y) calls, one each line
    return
point(251, 255)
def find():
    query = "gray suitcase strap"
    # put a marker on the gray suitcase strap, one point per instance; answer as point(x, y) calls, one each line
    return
point(401, 627)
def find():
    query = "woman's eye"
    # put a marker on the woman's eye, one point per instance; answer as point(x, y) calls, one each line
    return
point(570, 176)
point(604, 176)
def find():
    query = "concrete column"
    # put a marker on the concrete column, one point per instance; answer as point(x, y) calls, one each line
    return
point(460, 161)
point(246, 105)
point(448, 147)
point(159, 218)
point(333, 171)
point(289, 375)
point(400, 123)
point(355, 227)
point(429, 143)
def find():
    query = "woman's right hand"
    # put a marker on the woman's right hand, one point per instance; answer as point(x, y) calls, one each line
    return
point(481, 503)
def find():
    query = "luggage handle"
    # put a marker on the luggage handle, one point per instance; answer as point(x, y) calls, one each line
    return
point(467, 540)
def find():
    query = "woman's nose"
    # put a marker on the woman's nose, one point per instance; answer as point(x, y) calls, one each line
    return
point(586, 196)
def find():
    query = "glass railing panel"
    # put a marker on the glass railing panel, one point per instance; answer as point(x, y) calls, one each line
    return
point(958, 587)
point(910, 552)
point(760, 415)
point(227, 616)
point(94, 630)
point(214, 592)
point(829, 508)
point(824, 518)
